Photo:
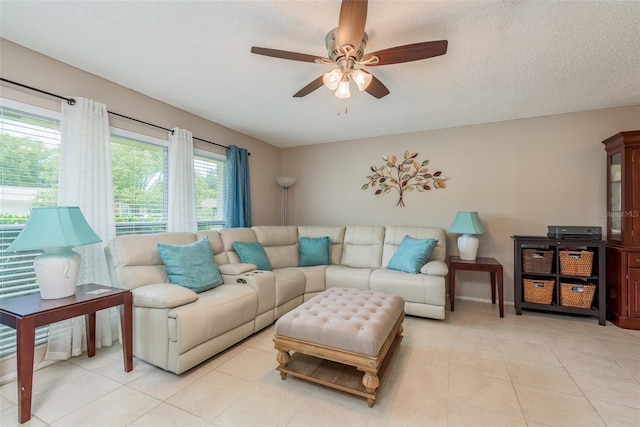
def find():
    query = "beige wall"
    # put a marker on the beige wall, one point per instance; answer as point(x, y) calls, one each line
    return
point(33, 69)
point(520, 175)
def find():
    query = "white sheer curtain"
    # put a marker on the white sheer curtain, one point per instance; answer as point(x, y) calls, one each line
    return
point(86, 181)
point(182, 189)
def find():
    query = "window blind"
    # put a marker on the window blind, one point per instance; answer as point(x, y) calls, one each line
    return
point(209, 180)
point(29, 166)
point(29, 169)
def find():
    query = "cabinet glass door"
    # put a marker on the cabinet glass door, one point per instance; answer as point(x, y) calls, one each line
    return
point(633, 210)
point(615, 197)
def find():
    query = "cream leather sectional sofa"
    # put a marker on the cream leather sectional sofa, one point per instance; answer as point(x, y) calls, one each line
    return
point(176, 329)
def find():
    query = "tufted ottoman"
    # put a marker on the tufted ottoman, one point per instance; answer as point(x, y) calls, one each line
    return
point(346, 339)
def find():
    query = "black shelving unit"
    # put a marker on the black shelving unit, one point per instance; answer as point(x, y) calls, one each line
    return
point(598, 275)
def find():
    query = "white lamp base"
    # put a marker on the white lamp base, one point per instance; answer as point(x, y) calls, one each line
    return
point(468, 247)
point(57, 272)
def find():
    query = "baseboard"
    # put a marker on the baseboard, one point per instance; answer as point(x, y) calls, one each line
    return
point(484, 300)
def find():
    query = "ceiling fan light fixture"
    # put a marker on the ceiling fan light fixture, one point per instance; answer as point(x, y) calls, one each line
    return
point(361, 78)
point(346, 46)
point(332, 79)
point(343, 91)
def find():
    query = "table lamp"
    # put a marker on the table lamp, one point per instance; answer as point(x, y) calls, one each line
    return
point(56, 230)
point(467, 224)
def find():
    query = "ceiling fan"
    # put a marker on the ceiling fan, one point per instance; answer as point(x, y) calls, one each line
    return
point(346, 50)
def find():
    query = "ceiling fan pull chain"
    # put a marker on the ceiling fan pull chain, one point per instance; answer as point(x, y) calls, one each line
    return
point(340, 104)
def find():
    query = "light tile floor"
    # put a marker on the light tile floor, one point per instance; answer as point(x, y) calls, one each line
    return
point(474, 369)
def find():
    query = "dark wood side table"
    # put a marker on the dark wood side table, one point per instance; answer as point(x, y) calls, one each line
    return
point(25, 313)
point(490, 265)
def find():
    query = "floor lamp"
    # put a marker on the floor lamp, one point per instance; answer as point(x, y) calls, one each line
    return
point(285, 182)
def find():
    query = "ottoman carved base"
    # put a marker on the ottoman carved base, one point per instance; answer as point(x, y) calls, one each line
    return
point(360, 334)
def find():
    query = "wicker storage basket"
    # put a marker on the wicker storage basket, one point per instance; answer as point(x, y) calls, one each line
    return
point(537, 261)
point(576, 263)
point(538, 291)
point(577, 295)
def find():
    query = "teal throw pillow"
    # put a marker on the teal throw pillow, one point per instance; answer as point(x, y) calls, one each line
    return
point(191, 266)
point(314, 251)
point(412, 254)
point(252, 253)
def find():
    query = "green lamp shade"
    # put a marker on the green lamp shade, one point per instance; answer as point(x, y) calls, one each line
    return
point(57, 227)
point(467, 223)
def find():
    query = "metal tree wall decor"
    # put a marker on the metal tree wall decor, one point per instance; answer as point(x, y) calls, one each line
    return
point(403, 176)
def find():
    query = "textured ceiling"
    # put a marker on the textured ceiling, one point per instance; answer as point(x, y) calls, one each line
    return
point(506, 60)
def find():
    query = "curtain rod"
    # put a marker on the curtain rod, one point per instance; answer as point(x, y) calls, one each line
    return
point(72, 101)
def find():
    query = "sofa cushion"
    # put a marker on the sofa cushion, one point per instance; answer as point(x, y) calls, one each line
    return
point(134, 260)
point(315, 280)
point(314, 251)
point(414, 288)
point(339, 276)
point(412, 254)
point(363, 246)
point(289, 283)
point(231, 235)
point(280, 243)
point(191, 266)
point(216, 312)
point(217, 247)
point(252, 253)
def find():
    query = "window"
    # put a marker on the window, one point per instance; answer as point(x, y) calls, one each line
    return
point(209, 178)
point(29, 169)
point(29, 165)
point(139, 183)
point(140, 168)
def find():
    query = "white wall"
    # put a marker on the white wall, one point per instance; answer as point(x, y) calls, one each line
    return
point(520, 175)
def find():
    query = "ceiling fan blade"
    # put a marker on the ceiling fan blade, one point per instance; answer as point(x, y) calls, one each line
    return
point(284, 54)
point(309, 88)
point(376, 88)
point(407, 53)
point(353, 17)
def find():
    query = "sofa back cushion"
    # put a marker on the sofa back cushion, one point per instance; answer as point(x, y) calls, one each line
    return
point(230, 235)
point(336, 235)
point(280, 244)
point(394, 234)
point(134, 260)
point(363, 246)
point(219, 254)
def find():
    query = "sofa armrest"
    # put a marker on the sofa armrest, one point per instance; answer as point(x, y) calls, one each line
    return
point(435, 268)
point(162, 295)
point(262, 282)
point(235, 269)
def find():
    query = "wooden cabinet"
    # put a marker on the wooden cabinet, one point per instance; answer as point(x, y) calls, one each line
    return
point(623, 229)
point(634, 292)
point(551, 275)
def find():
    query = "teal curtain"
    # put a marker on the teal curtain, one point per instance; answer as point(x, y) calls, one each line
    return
point(237, 195)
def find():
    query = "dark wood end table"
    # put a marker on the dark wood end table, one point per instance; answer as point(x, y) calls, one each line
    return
point(25, 313)
point(490, 265)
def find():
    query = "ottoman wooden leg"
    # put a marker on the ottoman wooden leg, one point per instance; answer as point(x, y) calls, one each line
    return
point(283, 358)
point(371, 382)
